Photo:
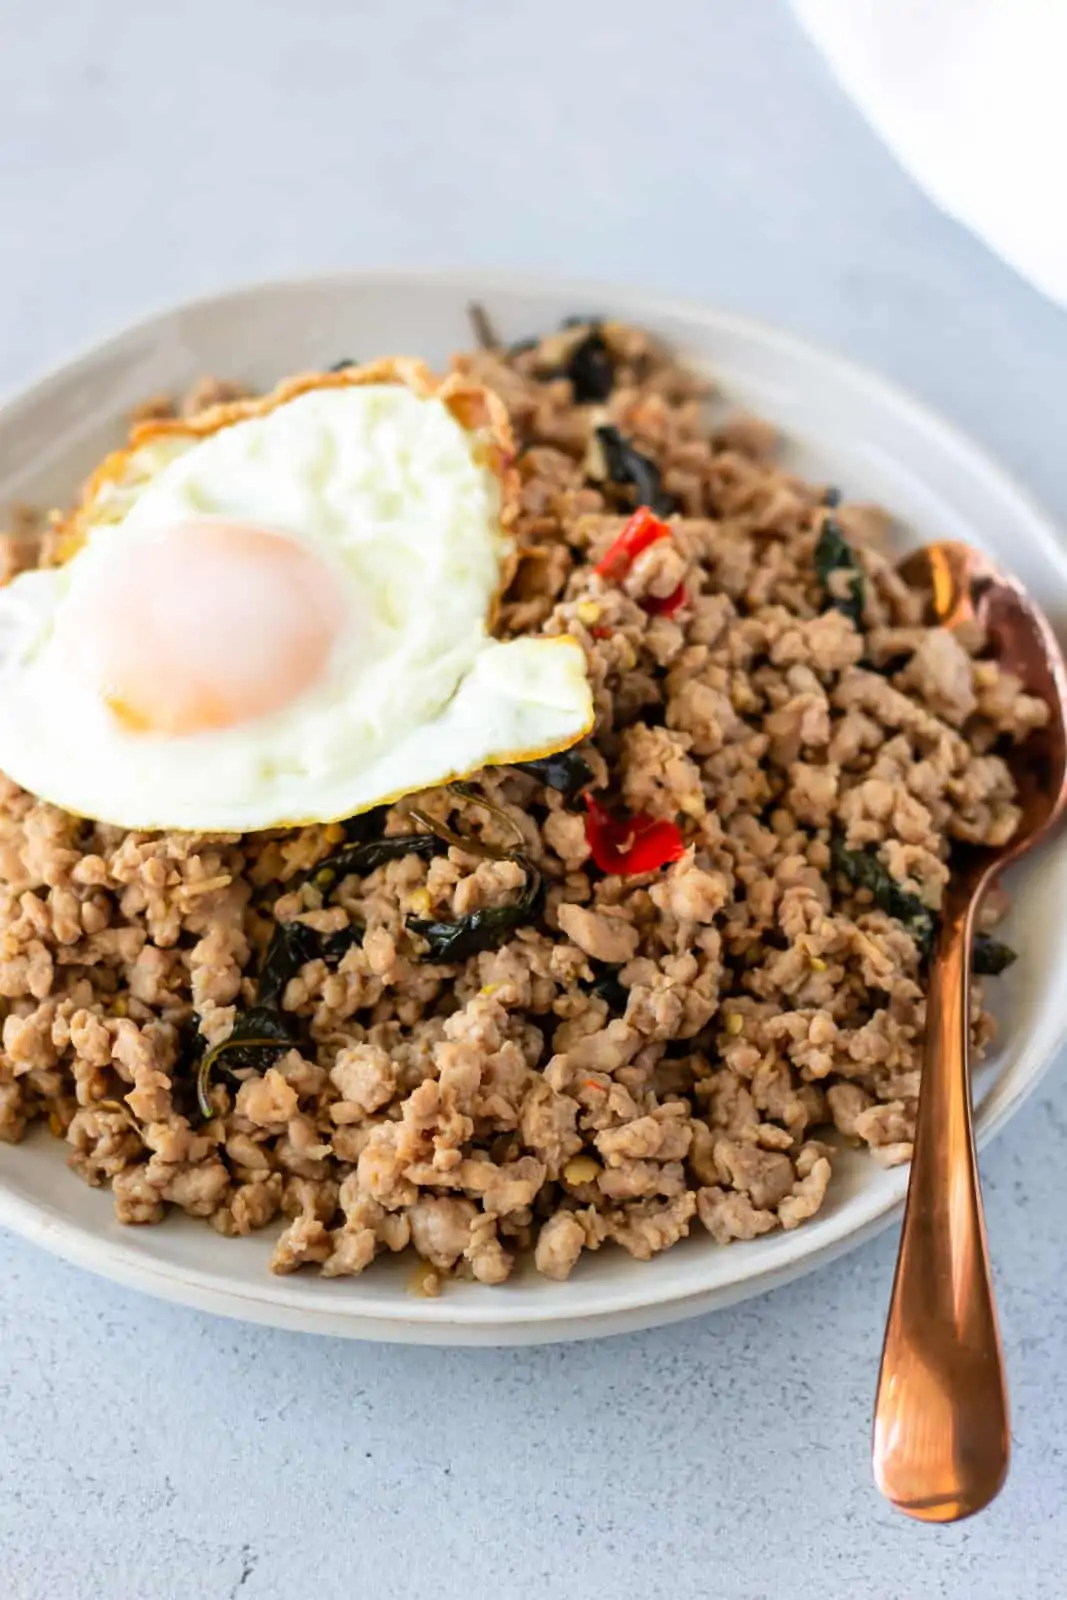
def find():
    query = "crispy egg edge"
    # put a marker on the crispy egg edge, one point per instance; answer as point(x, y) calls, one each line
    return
point(506, 758)
point(477, 409)
point(479, 412)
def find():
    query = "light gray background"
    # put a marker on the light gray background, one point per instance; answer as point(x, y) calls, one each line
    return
point(151, 152)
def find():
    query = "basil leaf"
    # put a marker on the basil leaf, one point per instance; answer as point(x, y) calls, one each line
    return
point(566, 771)
point(591, 369)
point(365, 825)
point(990, 957)
point(359, 859)
point(607, 986)
point(291, 944)
point(833, 553)
point(485, 929)
point(334, 945)
point(627, 465)
point(258, 1037)
point(864, 870)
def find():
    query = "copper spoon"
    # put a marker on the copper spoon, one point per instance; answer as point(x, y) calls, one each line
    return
point(941, 1439)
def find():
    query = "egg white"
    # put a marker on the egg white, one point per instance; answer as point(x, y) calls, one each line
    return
point(388, 489)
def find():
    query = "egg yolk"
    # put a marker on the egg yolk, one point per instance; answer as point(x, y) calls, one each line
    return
point(207, 625)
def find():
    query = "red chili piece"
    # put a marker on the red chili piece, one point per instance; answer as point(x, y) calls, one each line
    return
point(668, 605)
point(642, 530)
point(635, 844)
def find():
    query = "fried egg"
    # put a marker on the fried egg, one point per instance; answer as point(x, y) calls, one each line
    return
point(280, 611)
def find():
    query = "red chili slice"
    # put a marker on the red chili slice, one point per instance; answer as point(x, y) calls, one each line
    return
point(668, 605)
point(642, 530)
point(633, 844)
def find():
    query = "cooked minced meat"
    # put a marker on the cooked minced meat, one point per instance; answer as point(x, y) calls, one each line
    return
point(642, 1055)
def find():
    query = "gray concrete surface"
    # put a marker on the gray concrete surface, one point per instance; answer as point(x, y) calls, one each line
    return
point(147, 1453)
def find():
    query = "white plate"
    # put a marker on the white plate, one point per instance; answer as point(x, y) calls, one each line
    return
point(847, 427)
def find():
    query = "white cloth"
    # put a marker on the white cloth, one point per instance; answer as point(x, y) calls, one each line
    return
point(969, 95)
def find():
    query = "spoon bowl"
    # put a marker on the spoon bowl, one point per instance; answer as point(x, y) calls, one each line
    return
point(941, 1436)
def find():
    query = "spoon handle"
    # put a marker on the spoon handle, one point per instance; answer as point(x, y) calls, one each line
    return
point(941, 1438)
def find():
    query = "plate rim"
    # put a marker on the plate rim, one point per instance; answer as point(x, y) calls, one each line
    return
point(493, 280)
point(448, 1321)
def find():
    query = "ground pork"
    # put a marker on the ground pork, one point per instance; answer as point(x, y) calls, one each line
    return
point(636, 1054)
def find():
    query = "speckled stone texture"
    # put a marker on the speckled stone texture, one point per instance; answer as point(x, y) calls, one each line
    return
point(148, 153)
